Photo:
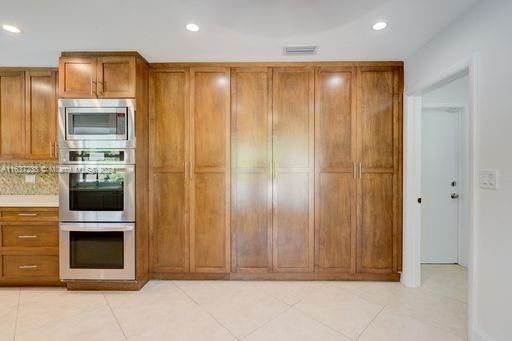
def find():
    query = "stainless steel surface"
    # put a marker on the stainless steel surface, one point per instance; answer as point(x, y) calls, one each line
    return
point(97, 141)
point(32, 266)
point(27, 237)
point(128, 271)
point(28, 214)
point(64, 159)
point(127, 215)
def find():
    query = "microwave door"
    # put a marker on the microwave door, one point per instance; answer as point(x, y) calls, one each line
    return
point(96, 123)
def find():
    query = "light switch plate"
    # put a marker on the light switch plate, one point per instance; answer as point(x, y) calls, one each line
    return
point(30, 178)
point(488, 179)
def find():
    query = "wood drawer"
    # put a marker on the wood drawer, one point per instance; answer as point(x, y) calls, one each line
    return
point(30, 215)
point(31, 266)
point(30, 235)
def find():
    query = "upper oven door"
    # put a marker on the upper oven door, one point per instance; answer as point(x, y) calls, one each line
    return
point(92, 193)
point(98, 123)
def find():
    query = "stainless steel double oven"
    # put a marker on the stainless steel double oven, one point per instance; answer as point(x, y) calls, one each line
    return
point(97, 189)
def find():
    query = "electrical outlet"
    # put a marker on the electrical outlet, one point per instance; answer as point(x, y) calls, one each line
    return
point(30, 178)
point(488, 179)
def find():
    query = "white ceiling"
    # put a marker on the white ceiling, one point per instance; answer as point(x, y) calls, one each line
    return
point(241, 30)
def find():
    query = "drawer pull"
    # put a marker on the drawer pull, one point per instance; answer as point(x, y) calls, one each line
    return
point(28, 267)
point(27, 214)
point(27, 237)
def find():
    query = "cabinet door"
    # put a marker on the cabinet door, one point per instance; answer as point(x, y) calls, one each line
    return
point(40, 103)
point(12, 114)
point(251, 182)
point(210, 119)
point(293, 212)
point(77, 77)
point(168, 145)
point(379, 140)
point(335, 153)
point(116, 77)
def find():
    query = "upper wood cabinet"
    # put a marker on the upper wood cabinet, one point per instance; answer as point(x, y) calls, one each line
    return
point(379, 181)
point(210, 160)
point(41, 114)
point(293, 150)
point(251, 169)
point(12, 114)
point(28, 114)
point(335, 155)
point(97, 76)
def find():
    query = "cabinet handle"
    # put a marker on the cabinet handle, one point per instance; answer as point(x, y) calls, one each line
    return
point(27, 237)
point(94, 88)
point(32, 266)
point(360, 170)
point(27, 214)
point(51, 149)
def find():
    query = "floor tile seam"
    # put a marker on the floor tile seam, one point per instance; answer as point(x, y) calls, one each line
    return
point(114, 315)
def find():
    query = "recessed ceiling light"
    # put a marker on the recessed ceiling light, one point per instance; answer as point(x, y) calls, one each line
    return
point(11, 28)
point(379, 25)
point(192, 27)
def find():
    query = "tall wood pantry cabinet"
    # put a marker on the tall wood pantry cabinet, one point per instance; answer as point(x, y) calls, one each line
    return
point(189, 166)
point(313, 190)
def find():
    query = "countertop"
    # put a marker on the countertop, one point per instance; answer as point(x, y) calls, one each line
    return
point(29, 201)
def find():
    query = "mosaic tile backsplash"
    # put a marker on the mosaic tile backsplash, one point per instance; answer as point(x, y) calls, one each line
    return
point(12, 178)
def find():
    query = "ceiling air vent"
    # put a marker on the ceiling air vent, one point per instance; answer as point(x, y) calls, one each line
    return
point(299, 50)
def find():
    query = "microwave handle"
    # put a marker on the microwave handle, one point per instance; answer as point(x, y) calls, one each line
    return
point(100, 227)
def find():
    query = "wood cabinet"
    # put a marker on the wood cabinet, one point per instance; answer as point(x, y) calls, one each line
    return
point(28, 113)
point(315, 174)
point(41, 114)
point(335, 157)
point(29, 246)
point(102, 76)
point(251, 170)
point(12, 114)
point(169, 176)
point(379, 184)
point(293, 210)
point(190, 158)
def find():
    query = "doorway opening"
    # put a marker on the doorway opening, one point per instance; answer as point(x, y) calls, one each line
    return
point(444, 188)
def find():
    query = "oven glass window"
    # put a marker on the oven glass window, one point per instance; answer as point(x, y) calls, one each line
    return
point(96, 250)
point(96, 191)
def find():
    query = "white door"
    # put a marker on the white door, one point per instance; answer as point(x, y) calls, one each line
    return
point(439, 186)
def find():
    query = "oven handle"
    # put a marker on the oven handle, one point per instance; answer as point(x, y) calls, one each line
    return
point(104, 227)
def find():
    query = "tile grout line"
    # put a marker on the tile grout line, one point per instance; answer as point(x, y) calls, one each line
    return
point(17, 315)
point(267, 322)
point(114, 315)
point(369, 323)
point(206, 311)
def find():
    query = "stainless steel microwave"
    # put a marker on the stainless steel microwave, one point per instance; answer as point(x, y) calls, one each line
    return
point(91, 123)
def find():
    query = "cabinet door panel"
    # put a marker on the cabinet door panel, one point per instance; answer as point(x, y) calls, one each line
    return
point(77, 77)
point(169, 234)
point(41, 113)
point(251, 145)
point(336, 207)
point(379, 186)
point(169, 198)
point(335, 135)
point(116, 77)
point(293, 212)
point(12, 114)
point(375, 235)
point(210, 239)
point(210, 234)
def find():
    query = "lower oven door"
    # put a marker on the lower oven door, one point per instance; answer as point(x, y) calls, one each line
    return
point(97, 251)
point(89, 192)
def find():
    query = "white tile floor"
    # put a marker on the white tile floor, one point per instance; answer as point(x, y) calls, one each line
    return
point(219, 310)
